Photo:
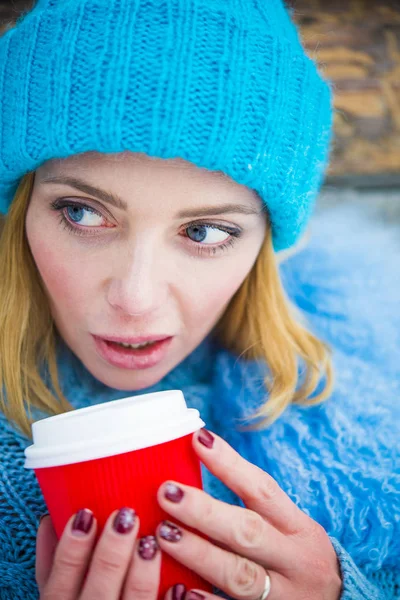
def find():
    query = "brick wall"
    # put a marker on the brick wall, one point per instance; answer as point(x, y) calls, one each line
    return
point(357, 44)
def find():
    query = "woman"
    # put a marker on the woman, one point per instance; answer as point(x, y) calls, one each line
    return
point(157, 158)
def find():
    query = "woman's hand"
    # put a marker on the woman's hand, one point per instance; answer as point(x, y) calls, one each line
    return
point(271, 534)
point(77, 568)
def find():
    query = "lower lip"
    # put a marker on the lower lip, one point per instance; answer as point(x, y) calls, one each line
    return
point(127, 358)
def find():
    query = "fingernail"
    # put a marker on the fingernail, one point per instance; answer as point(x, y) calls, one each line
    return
point(206, 438)
point(173, 493)
point(148, 547)
point(42, 517)
point(178, 591)
point(83, 522)
point(170, 532)
point(124, 520)
point(194, 596)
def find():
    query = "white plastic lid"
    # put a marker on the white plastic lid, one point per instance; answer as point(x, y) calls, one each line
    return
point(111, 428)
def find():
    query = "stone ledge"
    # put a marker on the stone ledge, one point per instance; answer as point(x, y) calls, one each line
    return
point(357, 45)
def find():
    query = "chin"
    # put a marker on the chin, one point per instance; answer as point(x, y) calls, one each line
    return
point(129, 381)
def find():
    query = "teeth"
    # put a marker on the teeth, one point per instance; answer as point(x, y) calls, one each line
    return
point(135, 346)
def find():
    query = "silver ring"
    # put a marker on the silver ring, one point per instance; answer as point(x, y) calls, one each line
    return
point(267, 588)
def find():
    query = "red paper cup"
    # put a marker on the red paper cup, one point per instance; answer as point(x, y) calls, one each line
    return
point(118, 454)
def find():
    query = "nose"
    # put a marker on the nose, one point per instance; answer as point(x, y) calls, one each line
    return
point(138, 284)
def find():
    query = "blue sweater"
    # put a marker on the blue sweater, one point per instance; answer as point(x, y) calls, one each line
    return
point(338, 461)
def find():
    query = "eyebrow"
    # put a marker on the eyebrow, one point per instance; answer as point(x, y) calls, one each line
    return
point(87, 189)
point(116, 201)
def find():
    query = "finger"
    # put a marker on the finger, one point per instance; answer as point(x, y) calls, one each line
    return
point(279, 588)
point(111, 556)
point(178, 591)
point(46, 542)
point(258, 490)
point(238, 529)
point(235, 575)
point(71, 558)
point(143, 577)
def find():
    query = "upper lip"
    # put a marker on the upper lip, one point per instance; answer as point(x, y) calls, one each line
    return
point(133, 340)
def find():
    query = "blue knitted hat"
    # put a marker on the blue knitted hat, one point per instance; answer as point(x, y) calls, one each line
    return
point(224, 84)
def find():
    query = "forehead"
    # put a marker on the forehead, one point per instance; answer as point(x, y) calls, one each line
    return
point(141, 170)
point(133, 161)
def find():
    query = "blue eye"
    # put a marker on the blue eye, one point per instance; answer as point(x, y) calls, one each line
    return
point(200, 232)
point(76, 213)
point(209, 238)
point(87, 219)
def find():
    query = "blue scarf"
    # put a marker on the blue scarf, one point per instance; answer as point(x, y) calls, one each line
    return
point(338, 461)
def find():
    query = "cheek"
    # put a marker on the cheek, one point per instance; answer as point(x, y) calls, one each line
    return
point(213, 283)
point(61, 275)
point(213, 288)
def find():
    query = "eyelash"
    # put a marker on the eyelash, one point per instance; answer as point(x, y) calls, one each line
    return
point(59, 205)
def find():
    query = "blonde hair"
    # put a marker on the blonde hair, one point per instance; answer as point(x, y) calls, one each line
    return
point(259, 323)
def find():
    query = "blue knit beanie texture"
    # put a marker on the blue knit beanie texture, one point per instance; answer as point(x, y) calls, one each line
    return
point(224, 84)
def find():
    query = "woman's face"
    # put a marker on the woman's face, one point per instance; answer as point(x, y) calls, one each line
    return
point(131, 247)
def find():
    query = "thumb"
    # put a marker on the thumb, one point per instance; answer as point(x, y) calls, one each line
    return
point(46, 542)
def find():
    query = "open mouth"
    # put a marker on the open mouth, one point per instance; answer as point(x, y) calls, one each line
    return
point(133, 346)
point(133, 356)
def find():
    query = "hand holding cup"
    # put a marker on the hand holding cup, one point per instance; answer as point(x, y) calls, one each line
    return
point(118, 454)
point(119, 567)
